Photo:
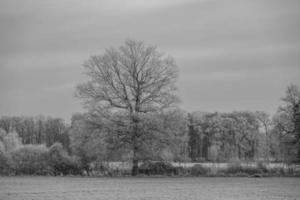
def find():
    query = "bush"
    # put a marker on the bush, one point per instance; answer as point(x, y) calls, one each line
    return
point(157, 168)
point(276, 171)
point(249, 170)
point(61, 162)
point(30, 159)
point(38, 160)
point(199, 170)
point(234, 168)
point(237, 168)
point(181, 171)
point(262, 167)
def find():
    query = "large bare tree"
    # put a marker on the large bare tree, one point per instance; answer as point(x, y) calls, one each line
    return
point(129, 82)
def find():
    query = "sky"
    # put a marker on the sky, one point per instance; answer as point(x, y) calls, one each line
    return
point(231, 54)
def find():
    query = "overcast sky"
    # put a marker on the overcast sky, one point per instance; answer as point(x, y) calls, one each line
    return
point(232, 54)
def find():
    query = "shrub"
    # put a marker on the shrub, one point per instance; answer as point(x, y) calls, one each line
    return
point(276, 171)
point(157, 168)
point(249, 170)
point(262, 167)
point(234, 168)
point(181, 171)
point(237, 168)
point(30, 159)
point(61, 162)
point(199, 170)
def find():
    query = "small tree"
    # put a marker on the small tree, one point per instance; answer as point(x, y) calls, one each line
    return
point(125, 84)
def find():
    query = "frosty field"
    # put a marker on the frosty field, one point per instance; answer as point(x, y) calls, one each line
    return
point(75, 188)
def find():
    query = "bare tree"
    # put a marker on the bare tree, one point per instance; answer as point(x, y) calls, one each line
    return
point(287, 120)
point(265, 123)
point(134, 80)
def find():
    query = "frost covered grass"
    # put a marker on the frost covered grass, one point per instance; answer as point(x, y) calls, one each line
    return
point(75, 188)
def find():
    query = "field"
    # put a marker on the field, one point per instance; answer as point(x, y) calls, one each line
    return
point(74, 188)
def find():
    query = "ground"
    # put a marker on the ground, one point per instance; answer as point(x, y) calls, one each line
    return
point(75, 188)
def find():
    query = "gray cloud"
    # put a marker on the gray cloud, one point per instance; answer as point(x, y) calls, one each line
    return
point(232, 54)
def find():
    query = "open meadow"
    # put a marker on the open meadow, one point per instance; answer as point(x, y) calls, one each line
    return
point(75, 188)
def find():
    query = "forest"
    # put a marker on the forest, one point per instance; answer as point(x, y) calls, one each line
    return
point(132, 115)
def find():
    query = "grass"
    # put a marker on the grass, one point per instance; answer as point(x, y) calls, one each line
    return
point(75, 188)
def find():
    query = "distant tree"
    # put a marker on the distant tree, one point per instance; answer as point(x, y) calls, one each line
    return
point(87, 141)
point(287, 120)
point(265, 124)
point(227, 137)
point(125, 84)
point(37, 130)
point(203, 131)
point(54, 131)
point(223, 136)
point(194, 139)
point(12, 142)
point(2, 147)
point(5, 124)
point(242, 131)
point(2, 134)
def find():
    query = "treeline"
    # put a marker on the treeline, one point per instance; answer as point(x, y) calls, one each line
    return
point(40, 145)
point(37, 130)
point(248, 136)
point(37, 146)
point(240, 135)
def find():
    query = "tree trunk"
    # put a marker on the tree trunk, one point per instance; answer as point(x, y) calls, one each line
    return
point(200, 146)
point(267, 147)
point(239, 152)
point(135, 159)
point(135, 167)
point(297, 129)
point(135, 162)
